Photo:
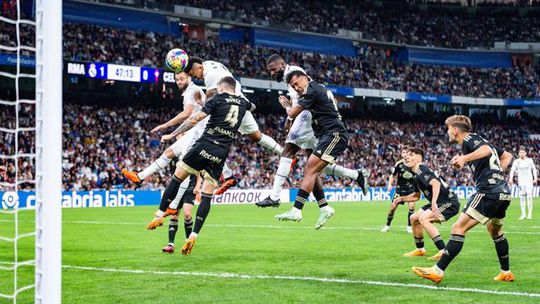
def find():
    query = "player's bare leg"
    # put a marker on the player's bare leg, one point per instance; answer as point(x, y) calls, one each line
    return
point(282, 173)
point(452, 249)
point(203, 210)
point(418, 234)
point(311, 172)
point(159, 164)
point(390, 217)
point(168, 196)
point(494, 228)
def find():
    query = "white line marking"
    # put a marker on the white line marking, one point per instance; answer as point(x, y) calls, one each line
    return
point(299, 278)
point(286, 227)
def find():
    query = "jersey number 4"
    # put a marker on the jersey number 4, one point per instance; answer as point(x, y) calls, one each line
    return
point(232, 116)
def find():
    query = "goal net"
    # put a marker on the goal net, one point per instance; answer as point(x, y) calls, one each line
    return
point(30, 150)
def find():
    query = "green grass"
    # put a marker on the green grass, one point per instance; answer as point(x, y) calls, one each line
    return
point(247, 240)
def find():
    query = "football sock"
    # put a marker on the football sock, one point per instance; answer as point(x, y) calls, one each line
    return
point(501, 245)
point(159, 164)
point(173, 227)
point(170, 193)
point(530, 204)
point(389, 218)
point(181, 191)
point(282, 172)
point(270, 144)
point(188, 226)
point(227, 172)
point(439, 243)
point(523, 205)
point(339, 171)
point(319, 196)
point(202, 212)
point(452, 249)
point(301, 199)
point(419, 242)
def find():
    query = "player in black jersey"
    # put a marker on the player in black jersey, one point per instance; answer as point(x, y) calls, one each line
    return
point(443, 204)
point(208, 154)
point(332, 140)
point(405, 185)
point(488, 206)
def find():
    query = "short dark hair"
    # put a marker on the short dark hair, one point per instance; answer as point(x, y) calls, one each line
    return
point(273, 58)
point(228, 81)
point(191, 61)
point(292, 74)
point(417, 151)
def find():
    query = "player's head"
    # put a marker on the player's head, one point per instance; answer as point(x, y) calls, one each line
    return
point(298, 80)
point(275, 64)
point(522, 153)
point(182, 80)
point(458, 125)
point(414, 157)
point(405, 150)
point(226, 84)
point(195, 67)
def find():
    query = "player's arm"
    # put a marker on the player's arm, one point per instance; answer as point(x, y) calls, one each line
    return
point(185, 126)
point(180, 118)
point(535, 172)
point(390, 184)
point(210, 93)
point(505, 159)
point(512, 172)
point(435, 190)
point(413, 197)
point(459, 161)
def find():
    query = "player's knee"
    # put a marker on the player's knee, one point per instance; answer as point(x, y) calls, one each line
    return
point(257, 136)
point(415, 218)
point(174, 217)
point(187, 214)
point(169, 152)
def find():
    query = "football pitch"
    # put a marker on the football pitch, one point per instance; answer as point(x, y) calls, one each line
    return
point(243, 255)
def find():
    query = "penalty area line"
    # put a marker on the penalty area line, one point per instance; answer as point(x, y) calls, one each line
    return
point(226, 275)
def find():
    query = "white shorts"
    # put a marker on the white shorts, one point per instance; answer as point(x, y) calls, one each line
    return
point(301, 133)
point(182, 145)
point(526, 189)
point(249, 124)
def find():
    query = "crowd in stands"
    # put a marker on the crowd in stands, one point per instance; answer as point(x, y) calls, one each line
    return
point(393, 22)
point(372, 68)
point(98, 141)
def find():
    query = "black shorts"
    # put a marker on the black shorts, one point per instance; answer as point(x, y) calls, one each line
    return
point(488, 206)
point(448, 207)
point(189, 197)
point(330, 146)
point(205, 157)
point(401, 193)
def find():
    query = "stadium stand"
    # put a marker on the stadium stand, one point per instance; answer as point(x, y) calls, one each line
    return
point(391, 22)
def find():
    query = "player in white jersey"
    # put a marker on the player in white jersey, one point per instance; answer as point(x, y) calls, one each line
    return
point(211, 72)
point(527, 177)
point(194, 99)
point(300, 136)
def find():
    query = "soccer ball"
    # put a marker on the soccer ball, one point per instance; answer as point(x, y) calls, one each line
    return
point(176, 60)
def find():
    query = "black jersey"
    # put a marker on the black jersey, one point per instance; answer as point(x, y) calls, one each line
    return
point(323, 107)
point(405, 179)
point(226, 113)
point(424, 176)
point(487, 172)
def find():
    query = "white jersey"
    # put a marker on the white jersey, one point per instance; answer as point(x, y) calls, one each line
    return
point(525, 169)
point(213, 72)
point(191, 93)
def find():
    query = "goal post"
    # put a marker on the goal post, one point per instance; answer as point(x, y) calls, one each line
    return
point(48, 278)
